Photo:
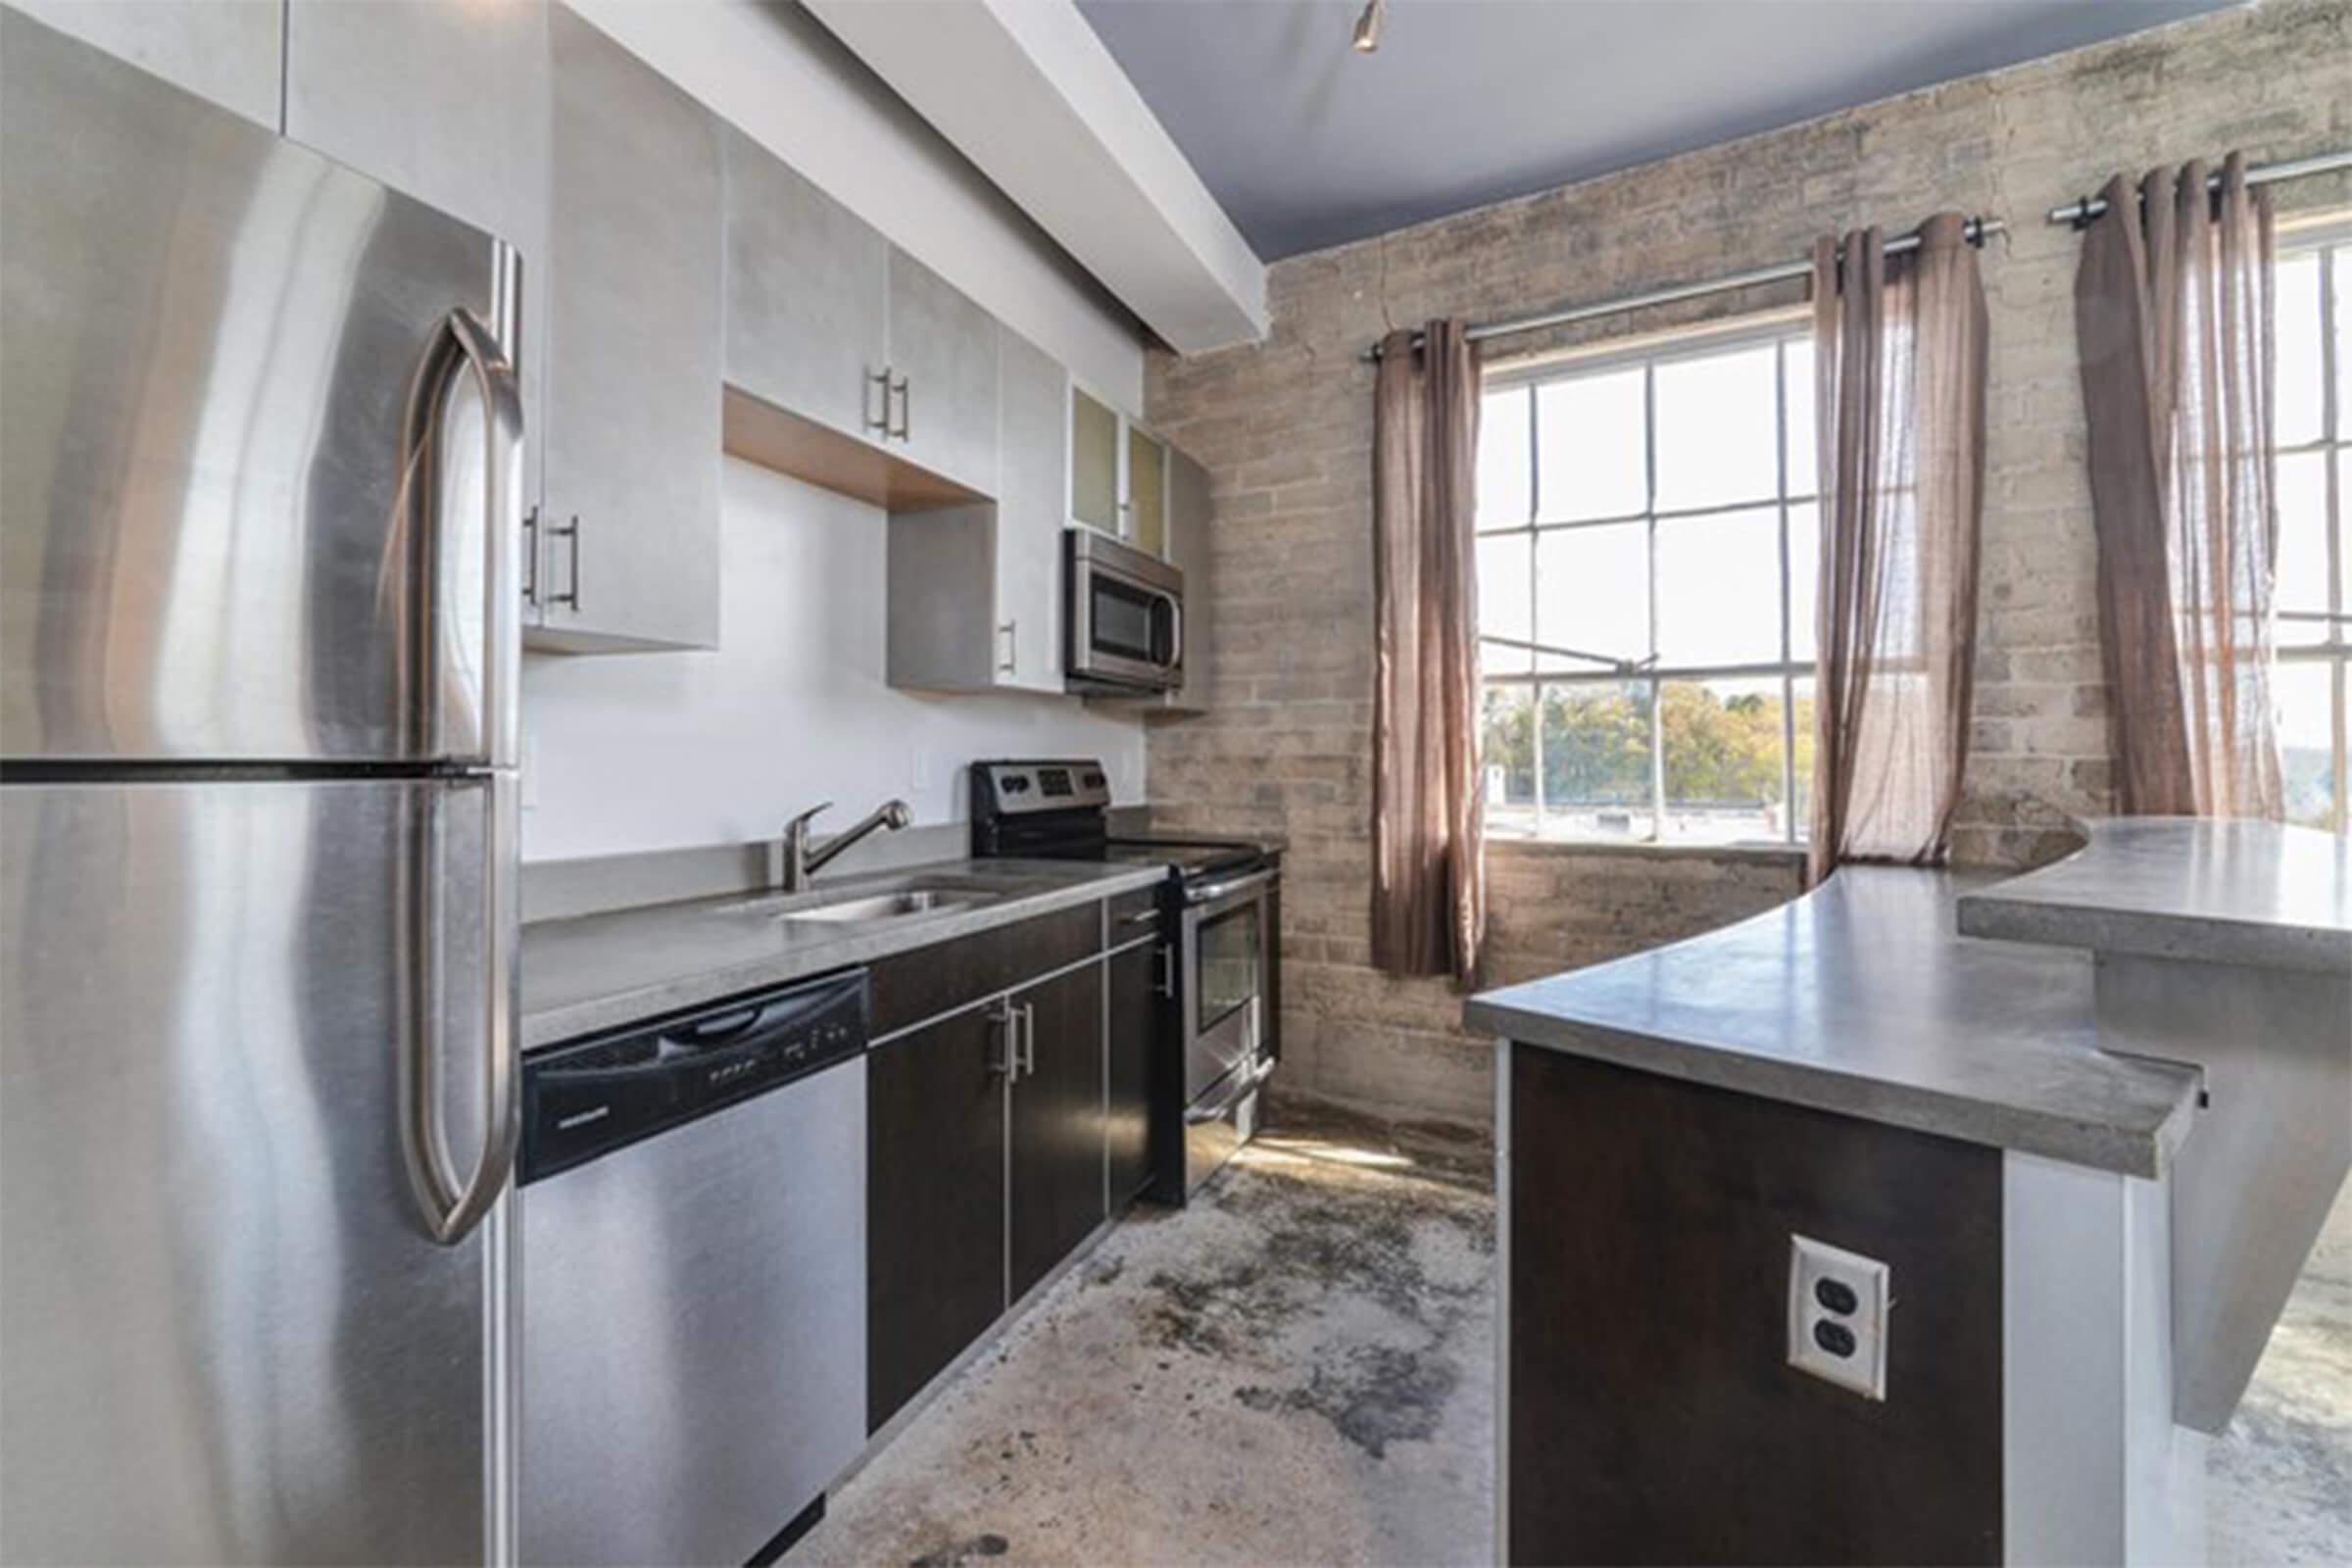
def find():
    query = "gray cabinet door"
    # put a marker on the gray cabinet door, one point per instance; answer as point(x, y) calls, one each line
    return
point(448, 104)
point(630, 507)
point(807, 295)
point(228, 51)
point(943, 356)
point(1033, 473)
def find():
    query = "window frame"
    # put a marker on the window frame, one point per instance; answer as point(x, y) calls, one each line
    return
point(2331, 240)
point(1785, 329)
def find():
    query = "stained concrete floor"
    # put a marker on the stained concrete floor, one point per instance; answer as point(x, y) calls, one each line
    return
point(1300, 1370)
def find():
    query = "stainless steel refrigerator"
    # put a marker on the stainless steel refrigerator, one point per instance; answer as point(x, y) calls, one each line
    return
point(260, 470)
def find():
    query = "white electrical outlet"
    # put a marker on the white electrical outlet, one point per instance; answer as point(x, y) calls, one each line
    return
point(1838, 1305)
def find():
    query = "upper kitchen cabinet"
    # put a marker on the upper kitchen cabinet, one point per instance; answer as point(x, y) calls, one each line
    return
point(975, 591)
point(1097, 496)
point(808, 296)
point(1146, 492)
point(628, 546)
point(229, 51)
point(943, 377)
point(448, 103)
point(850, 364)
point(1118, 474)
point(1185, 495)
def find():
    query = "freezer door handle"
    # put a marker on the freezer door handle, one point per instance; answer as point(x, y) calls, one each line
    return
point(451, 1210)
point(477, 646)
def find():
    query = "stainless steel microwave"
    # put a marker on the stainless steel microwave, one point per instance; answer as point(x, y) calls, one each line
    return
point(1125, 616)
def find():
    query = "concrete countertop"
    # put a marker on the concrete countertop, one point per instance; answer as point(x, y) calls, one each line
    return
point(599, 971)
point(1859, 998)
point(2258, 894)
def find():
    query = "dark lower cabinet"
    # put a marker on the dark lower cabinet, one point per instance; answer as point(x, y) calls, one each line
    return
point(1056, 1178)
point(935, 1201)
point(1132, 977)
point(1654, 1415)
point(979, 1182)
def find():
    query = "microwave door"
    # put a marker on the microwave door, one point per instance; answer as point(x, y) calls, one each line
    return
point(1133, 632)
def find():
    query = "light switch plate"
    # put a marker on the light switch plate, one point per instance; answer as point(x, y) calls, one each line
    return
point(1817, 1274)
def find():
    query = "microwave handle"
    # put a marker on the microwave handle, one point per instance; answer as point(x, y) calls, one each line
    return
point(1175, 620)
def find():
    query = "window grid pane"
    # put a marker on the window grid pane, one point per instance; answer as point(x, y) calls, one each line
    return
point(1630, 562)
point(2313, 684)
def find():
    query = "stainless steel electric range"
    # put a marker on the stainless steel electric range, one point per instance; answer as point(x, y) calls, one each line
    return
point(1217, 1036)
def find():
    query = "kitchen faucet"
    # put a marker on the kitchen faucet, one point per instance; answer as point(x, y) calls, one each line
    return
point(800, 863)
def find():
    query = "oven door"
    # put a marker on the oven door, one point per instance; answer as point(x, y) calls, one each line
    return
point(1124, 630)
point(1226, 939)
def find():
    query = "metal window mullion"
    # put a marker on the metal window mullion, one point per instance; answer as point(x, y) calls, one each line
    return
point(1535, 607)
point(2330, 434)
point(1649, 502)
point(1780, 453)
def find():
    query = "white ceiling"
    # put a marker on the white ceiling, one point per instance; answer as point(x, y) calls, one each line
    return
point(1306, 143)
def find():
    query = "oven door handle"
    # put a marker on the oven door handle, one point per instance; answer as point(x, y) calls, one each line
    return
point(1226, 889)
point(1243, 1084)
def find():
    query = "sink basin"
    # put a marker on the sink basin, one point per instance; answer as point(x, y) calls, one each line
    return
point(888, 907)
point(855, 905)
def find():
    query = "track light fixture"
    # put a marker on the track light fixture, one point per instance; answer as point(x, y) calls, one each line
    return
point(1367, 26)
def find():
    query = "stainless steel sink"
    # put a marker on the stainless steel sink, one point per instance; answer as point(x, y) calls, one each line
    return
point(875, 901)
point(889, 906)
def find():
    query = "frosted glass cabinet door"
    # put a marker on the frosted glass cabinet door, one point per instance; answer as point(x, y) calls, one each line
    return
point(1094, 462)
point(1147, 493)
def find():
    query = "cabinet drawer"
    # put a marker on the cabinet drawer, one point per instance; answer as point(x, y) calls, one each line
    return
point(1134, 914)
point(909, 987)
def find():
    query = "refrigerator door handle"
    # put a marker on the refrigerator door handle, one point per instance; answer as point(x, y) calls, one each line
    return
point(451, 1211)
point(493, 669)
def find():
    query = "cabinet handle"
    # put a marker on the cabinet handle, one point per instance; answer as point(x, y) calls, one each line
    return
point(530, 556)
point(881, 422)
point(1008, 1024)
point(905, 432)
point(570, 596)
point(1028, 1038)
point(1165, 982)
point(1011, 633)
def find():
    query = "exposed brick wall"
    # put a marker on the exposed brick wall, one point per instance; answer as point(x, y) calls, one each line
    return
point(1284, 428)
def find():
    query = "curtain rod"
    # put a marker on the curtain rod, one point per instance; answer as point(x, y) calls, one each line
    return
point(2090, 206)
point(1977, 229)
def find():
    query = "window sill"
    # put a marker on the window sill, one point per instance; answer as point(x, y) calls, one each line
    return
point(1579, 848)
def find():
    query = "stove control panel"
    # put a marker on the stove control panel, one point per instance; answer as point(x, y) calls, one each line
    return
point(1020, 789)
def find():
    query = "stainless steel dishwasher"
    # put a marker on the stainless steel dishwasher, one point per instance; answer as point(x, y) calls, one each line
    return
point(692, 1235)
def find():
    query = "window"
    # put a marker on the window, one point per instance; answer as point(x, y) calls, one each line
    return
point(2314, 596)
point(1645, 574)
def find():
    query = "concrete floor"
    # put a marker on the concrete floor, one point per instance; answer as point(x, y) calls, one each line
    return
point(2280, 1478)
point(1300, 1370)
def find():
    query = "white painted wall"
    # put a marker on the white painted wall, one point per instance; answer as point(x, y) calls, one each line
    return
point(769, 69)
point(671, 751)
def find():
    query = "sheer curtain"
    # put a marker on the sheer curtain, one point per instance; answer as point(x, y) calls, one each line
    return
point(2173, 315)
point(1429, 906)
point(1899, 347)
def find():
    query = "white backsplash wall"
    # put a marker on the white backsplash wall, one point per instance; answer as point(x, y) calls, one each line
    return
point(633, 752)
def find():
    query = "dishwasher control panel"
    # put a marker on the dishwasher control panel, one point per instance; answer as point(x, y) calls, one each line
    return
point(594, 1095)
